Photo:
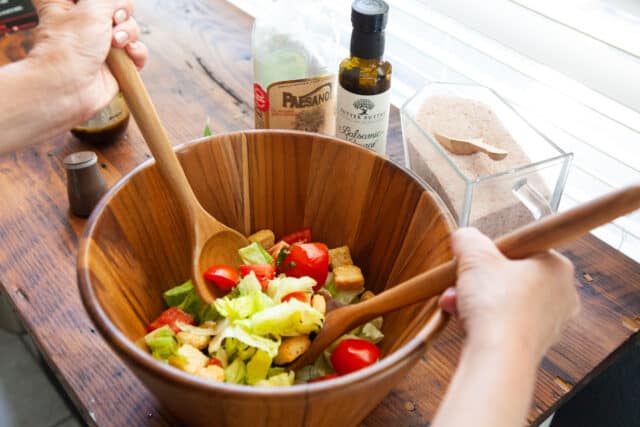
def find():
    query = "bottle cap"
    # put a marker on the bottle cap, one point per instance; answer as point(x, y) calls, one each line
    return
point(369, 16)
point(80, 160)
point(85, 183)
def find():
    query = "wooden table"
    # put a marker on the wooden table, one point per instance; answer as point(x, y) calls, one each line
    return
point(200, 67)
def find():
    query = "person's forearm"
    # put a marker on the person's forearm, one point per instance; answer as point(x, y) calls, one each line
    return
point(38, 102)
point(492, 387)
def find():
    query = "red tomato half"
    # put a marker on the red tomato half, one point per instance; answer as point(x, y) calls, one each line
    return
point(263, 272)
point(214, 361)
point(353, 354)
point(170, 317)
point(300, 296)
point(301, 236)
point(222, 276)
point(307, 259)
point(323, 378)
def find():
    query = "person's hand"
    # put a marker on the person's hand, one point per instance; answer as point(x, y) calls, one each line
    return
point(504, 302)
point(73, 39)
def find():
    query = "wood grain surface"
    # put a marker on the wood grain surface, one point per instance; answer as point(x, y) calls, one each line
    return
point(200, 66)
point(127, 259)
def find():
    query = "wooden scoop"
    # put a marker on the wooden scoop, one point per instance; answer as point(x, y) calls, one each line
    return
point(470, 146)
point(538, 236)
point(212, 242)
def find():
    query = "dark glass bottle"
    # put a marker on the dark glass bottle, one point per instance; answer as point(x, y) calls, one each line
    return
point(107, 125)
point(365, 79)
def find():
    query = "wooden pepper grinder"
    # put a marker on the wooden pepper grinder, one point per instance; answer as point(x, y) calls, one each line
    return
point(85, 183)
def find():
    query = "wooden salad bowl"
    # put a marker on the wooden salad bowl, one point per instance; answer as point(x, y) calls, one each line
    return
point(134, 247)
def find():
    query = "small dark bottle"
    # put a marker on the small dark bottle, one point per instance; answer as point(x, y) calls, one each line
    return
point(365, 79)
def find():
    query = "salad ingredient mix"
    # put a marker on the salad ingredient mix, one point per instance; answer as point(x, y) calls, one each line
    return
point(274, 304)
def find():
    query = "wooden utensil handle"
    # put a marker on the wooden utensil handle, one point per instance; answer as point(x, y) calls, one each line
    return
point(533, 238)
point(141, 106)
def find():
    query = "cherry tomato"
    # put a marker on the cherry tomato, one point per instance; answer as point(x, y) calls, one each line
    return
point(214, 361)
point(263, 272)
point(353, 354)
point(222, 276)
point(307, 259)
point(301, 236)
point(324, 378)
point(300, 296)
point(171, 317)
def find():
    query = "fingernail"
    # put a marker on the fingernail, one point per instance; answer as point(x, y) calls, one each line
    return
point(121, 37)
point(134, 45)
point(120, 16)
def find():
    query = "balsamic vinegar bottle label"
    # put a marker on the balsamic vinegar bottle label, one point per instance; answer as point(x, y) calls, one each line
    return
point(306, 104)
point(364, 119)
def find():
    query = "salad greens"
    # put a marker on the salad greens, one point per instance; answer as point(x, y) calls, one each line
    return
point(265, 318)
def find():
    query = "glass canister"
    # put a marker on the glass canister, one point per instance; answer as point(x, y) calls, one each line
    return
point(493, 196)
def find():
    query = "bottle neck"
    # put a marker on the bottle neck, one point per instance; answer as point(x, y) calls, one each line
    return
point(367, 45)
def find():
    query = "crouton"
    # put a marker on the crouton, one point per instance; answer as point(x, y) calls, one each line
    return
point(189, 359)
point(319, 303)
point(291, 348)
point(197, 341)
point(265, 238)
point(275, 249)
point(367, 295)
point(348, 278)
point(340, 256)
point(211, 372)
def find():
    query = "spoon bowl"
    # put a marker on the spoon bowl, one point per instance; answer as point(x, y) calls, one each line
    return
point(220, 248)
point(466, 146)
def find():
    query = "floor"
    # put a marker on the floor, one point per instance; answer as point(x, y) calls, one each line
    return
point(28, 396)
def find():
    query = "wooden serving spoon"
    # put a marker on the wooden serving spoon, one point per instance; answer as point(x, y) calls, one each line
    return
point(469, 146)
point(535, 237)
point(212, 241)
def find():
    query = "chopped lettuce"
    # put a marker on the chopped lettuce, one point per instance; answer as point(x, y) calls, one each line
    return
point(245, 352)
point(174, 296)
point(162, 343)
point(286, 319)
point(255, 254)
point(319, 368)
point(282, 286)
point(371, 333)
point(235, 372)
point(276, 370)
point(249, 299)
point(265, 344)
point(258, 367)
point(207, 313)
point(185, 298)
point(192, 304)
point(280, 380)
point(343, 297)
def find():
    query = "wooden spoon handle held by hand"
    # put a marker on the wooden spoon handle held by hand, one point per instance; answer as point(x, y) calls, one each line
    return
point(542, 235)
point(141, 106)
point(212, 242)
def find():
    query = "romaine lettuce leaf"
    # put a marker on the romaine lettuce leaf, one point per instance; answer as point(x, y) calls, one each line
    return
point(280, 380)
point(161, 342)
point(267, 345)
point(282, 286)
point(319, 368)
point(286, 319)
point(174, 296)
point(343, 297)
point(251, 300)
point(258, 367)
point(255, 254)
point(235, 372)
